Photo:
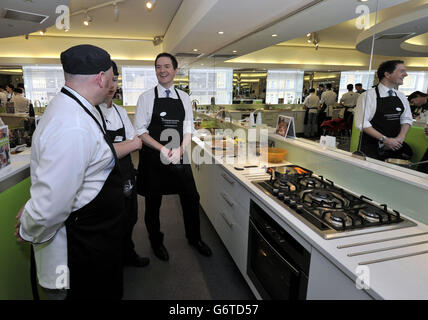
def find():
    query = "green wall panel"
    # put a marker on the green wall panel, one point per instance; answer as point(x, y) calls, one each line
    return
point(15, 256)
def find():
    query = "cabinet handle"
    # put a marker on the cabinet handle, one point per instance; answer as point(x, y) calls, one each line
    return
point(229, 202)
point(230, 224)
point(226, 177)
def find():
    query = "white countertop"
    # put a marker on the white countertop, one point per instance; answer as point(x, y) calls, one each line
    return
point(405, 278)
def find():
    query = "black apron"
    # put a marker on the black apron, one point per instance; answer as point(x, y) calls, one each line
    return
point(94, 238)
point(154, 177)
point(387, 121)
point(131, 201)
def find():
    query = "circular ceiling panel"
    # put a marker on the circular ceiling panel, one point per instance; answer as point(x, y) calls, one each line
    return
point(403, 36)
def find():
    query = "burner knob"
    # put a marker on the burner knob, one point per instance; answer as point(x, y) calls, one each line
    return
point(275, 191)
point(281, 195)
point(292, 203)
point(286, 199)
point(299, 208)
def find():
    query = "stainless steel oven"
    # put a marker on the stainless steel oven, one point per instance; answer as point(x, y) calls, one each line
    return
point(277, 264)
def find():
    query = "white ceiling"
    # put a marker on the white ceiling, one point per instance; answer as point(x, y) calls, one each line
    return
point(193, 24)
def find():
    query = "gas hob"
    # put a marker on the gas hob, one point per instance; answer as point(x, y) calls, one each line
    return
point(329, 210)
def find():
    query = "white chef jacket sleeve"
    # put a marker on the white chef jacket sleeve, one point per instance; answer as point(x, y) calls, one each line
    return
point(188, 118)
point(365, 100)
point(129, 128)
point(55, 183)
point(142, 114)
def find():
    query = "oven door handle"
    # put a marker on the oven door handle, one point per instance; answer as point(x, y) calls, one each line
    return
point(293, 269)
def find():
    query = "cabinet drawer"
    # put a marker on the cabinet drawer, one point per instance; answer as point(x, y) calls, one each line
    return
point(233, 211)
point(234, 239)
point(231, 187)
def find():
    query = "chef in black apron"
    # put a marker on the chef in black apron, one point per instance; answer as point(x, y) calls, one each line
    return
point(121, 136)
point(387, 115)
point(74, 217)
point(161, 169)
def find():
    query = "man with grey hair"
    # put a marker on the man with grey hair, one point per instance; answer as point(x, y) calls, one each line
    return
point(73, 218)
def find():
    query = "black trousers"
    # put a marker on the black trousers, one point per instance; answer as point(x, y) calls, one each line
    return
point(190, 207)
point(130, 219)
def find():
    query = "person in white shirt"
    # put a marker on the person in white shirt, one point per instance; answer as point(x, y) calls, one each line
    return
point(125, 141)
point(311, 104)
point(383, 115)
point(349, 101)
point(9, 91)
point(74, 216)
point(20, 103)
point(329, 98)
point(3, 96)
point(164, 122)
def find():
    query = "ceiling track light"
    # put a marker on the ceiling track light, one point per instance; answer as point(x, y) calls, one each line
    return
point(150, 4)
point(87, 20)
point(42, 32)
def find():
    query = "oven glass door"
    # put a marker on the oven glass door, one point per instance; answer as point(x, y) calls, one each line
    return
point(273, 276)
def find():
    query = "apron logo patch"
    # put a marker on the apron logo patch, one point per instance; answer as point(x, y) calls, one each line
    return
point(162, 114)
point(398, 109)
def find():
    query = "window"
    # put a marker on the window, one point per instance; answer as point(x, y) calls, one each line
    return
point(284, 86)
point(207, 83)
point(136, 80)
point(352, 77)
point(415, 81)
point(42, 83)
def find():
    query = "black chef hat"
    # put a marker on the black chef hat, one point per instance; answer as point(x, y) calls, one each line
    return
point(115, 70)
point(85, 59)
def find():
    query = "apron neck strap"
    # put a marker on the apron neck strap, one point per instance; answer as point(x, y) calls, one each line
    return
point(72, 96)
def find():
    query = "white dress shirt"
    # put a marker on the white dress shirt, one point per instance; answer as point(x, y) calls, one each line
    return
point(367, 100)
point(20, 103)
point(144, 110)
point(114, 122)
point(312, 101)
point(70, 162)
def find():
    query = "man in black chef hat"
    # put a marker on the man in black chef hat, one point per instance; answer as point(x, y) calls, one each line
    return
point(74, 216)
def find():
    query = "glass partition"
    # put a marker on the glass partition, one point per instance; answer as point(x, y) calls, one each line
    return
point(207, 83)
point(42, 83)
point(284, 86)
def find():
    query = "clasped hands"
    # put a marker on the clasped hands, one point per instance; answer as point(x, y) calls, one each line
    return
point(393, 143)
point(171, 155)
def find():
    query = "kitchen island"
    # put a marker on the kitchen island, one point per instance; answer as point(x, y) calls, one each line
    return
point(386, 265)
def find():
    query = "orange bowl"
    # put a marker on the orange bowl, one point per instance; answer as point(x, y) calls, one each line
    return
point(275, 155)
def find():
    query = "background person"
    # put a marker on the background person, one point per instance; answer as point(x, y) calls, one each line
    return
point(349, 101)
point(359, 88)
point(387, 115)
point(419, 105)
point(20, 103)
point(165, 107)
point(74, 215)
point(311, 104)
point(125, 141)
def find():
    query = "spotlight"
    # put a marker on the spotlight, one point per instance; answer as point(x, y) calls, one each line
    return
point(150, 4)
point(87, 21)
point(42, 32)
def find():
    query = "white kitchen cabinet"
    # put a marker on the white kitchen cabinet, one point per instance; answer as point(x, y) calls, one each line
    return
point(327, 282)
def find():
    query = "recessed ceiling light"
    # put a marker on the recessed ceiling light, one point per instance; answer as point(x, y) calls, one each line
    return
point(195, 50)
point(363, 0)
point(274, 35)
point(234, 51)
point(220, 32)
